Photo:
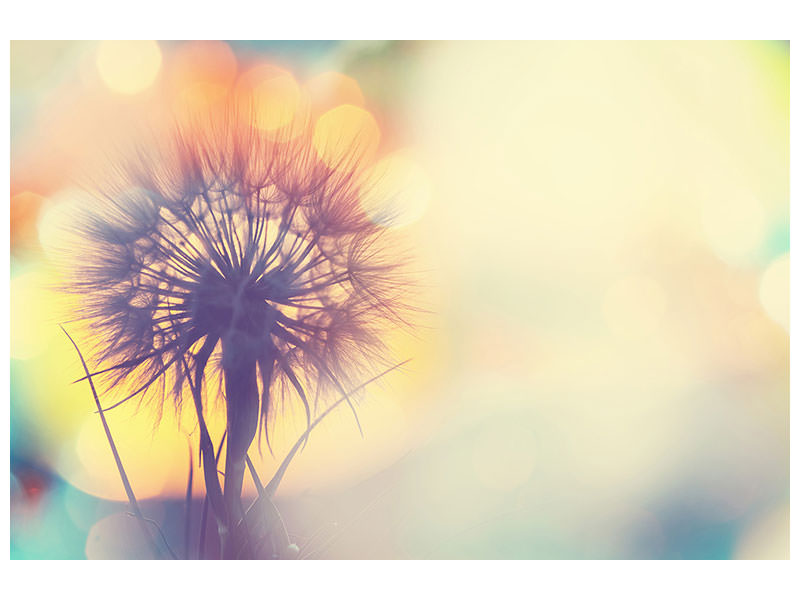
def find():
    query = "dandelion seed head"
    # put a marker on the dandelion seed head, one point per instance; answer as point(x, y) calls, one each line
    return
point(225, 249)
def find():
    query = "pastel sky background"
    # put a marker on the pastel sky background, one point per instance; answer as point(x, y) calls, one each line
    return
point(602, 235)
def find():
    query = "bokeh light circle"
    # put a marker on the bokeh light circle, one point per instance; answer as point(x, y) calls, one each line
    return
point(116, 537)
point(346, 135)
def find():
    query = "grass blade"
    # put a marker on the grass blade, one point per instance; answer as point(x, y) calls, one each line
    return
point(125, 482)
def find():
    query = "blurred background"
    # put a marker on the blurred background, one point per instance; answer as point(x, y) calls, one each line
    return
point(602, 235)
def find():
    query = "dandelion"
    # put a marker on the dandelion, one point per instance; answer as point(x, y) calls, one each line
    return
point(235, 255)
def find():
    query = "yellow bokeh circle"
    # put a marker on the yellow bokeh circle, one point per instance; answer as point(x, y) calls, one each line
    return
point(275, 97)
point(345, 136)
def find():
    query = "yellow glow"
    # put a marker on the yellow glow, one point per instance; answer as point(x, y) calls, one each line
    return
point(774, 291)
point(32, 326)
point(152, 458)
point(734, 225)
point(634, 306)
point(128, 67)
point(346, 135)
point(155, 457)
point(399, 193)
point(74, 442)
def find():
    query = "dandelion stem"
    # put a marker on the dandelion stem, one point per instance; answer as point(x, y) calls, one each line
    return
point(241, 392)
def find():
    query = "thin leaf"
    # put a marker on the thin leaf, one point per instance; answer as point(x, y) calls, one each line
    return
point(125, 482)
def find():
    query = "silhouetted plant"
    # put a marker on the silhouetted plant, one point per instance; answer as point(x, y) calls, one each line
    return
point(226, 253)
